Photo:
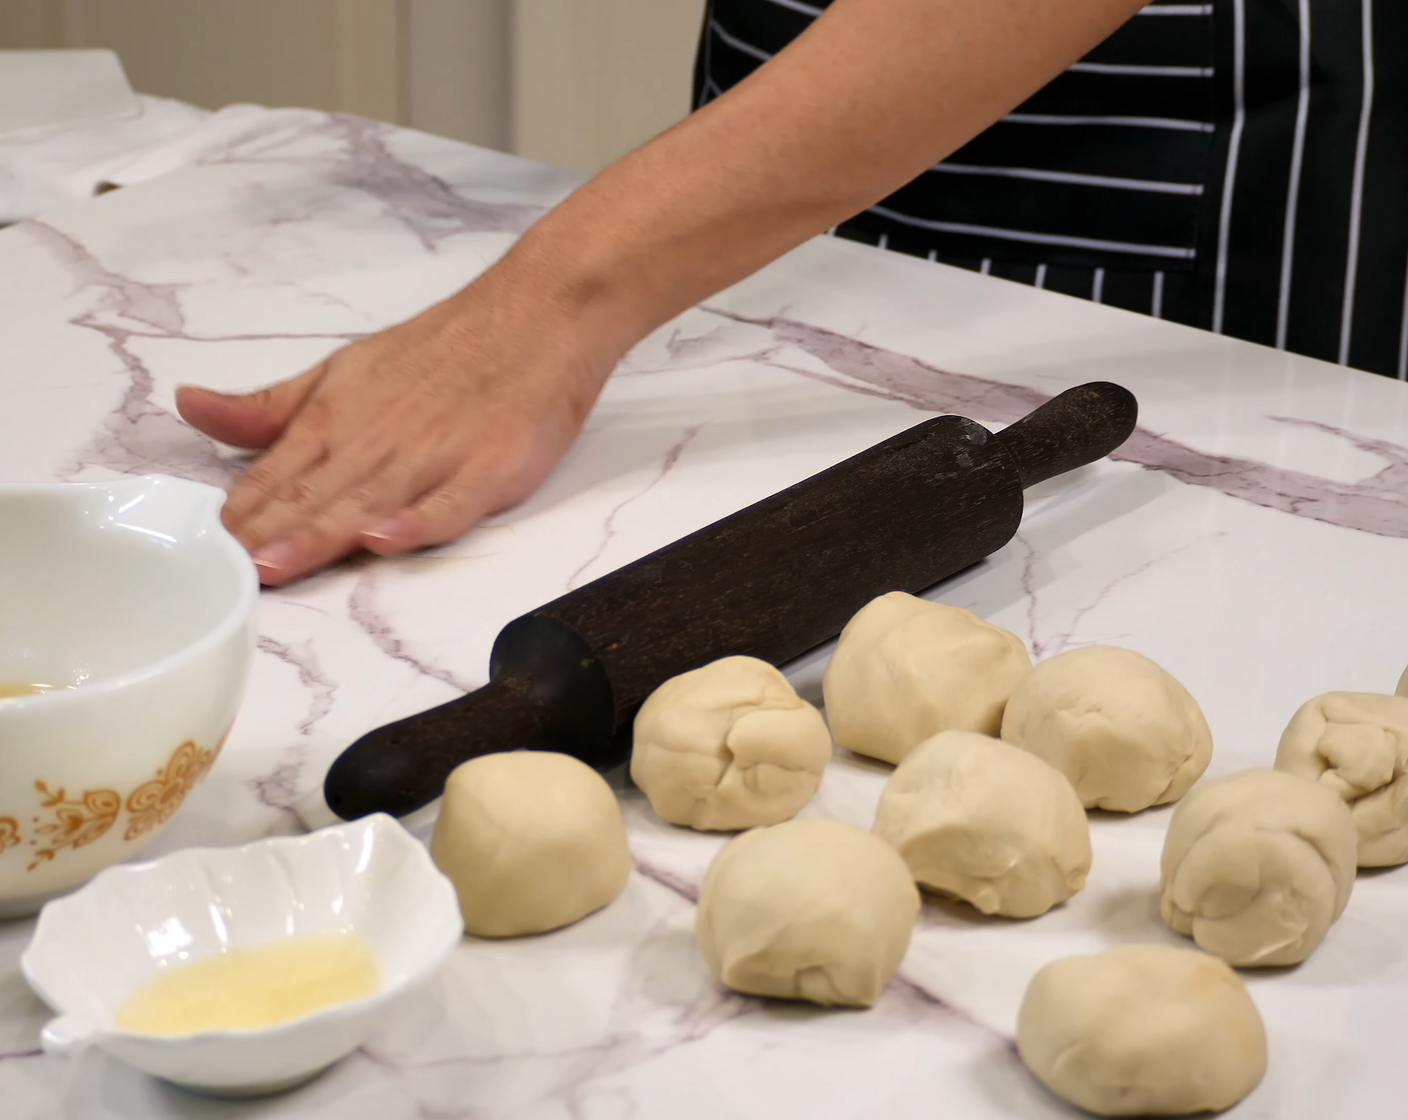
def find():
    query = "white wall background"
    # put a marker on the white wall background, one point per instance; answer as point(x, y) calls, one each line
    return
point(571, 82)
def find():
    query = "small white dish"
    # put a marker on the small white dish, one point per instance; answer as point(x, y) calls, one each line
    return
point(93, 949)
point(133, 602)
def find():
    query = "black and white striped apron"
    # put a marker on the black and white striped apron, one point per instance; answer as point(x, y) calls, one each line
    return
point(1240, 166)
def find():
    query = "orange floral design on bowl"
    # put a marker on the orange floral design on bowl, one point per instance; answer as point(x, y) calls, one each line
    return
point(76, 822)
point(154, 803)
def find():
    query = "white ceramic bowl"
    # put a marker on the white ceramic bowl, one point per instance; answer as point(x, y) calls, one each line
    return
point(371, 877)
point(131, 597)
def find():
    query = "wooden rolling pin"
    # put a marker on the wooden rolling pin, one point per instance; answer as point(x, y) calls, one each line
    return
point(772, 581)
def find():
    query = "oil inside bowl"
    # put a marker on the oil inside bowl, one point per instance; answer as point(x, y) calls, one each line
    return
point(250, 988)
point(11, 691)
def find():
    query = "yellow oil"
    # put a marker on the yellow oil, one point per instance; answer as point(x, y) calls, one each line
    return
point(243, 989)
point(10, 690)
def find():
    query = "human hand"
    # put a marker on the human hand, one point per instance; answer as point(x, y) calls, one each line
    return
point(406, 438)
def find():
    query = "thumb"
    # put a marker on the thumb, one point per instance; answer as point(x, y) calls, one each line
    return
point(250, 420)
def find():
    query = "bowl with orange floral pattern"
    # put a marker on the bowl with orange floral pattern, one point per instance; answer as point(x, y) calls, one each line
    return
point(127, 618)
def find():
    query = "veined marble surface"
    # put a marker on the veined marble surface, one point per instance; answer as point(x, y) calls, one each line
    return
point(1252, 537)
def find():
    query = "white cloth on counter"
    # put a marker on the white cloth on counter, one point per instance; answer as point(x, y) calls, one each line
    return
point(42, 173)
point(44, 170)
point(217, 134)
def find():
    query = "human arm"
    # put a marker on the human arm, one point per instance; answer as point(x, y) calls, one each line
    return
point(409, 437)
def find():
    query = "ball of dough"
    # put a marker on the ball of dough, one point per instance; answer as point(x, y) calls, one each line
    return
point(729, 746)
point(1402, 689)
point(1356, 743)
point(1142, 1030)
point(532, 841)
point(810, 909)
point(976, 818)
point(1124, 732)
point(1257, 866)
point(906, 669)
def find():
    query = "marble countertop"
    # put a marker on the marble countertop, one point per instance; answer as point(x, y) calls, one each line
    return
point(1252, 537)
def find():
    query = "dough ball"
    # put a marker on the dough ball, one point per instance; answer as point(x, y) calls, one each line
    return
point(1257, 866)
point(1356, 743)
point(729, 746)
point(1142, 1030)
point(532, 841)
point(1402, 689)
point(1121, 729)
point(976, 818)
point(906, 669)
point(809, 909)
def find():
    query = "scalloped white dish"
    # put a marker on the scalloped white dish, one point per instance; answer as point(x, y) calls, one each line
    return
point(93, 949)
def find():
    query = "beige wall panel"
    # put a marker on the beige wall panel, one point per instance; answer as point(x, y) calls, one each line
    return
point(212, 52)
point(592, 79)
point(321, 54)
point(31, 24)
point(456, 75)
point(367, 58)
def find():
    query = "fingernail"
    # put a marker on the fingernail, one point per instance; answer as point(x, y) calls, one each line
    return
point(278, 556)
point(387, 529)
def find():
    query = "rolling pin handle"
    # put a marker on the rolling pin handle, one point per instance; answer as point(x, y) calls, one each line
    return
point(1072, 429)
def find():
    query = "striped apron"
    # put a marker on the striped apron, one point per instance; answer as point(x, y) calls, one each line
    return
point(1239, 166)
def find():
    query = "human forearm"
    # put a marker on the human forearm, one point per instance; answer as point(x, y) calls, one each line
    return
point(871, 95)
point(409, 437)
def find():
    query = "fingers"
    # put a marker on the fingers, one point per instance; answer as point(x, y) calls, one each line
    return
point(249, 420)
point(307, 466)
point(281, 476)
point(505, 468)
point(330, 532)
point(408, 502)
point(442, 513)
point(298, 492)
point(430, 509)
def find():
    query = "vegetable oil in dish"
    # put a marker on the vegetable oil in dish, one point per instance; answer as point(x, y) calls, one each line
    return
point(261, 986)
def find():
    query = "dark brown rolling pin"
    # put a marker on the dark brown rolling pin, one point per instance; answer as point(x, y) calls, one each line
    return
point(772, 581)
